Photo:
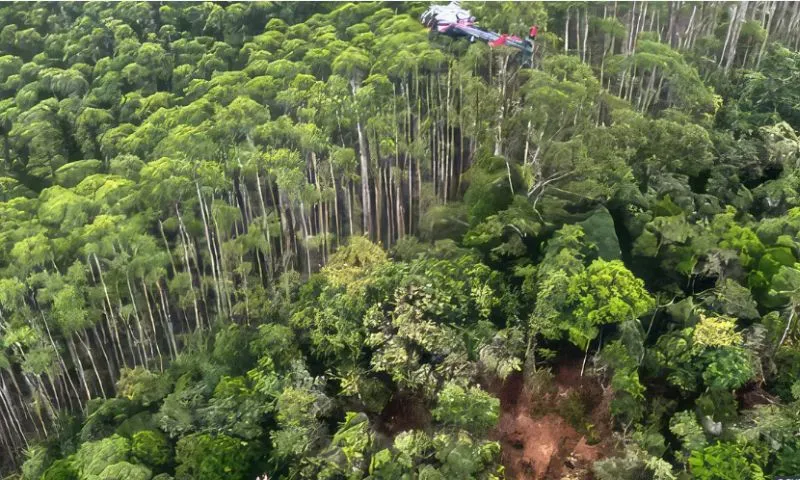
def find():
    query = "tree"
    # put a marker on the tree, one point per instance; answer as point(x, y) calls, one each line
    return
point(604, 293)
point(142, 386)
point(60, 470)
point(469, 409)
point(204, 456)
point(628, 390)
point(300, 430)
point(93, 458)
point(235, 409)
point(189, 197)
point(353, 64)
point(725, 460)
point(151, 448)
point(349, 449)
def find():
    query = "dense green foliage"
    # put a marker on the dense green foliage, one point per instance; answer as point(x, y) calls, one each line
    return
point(309, 240)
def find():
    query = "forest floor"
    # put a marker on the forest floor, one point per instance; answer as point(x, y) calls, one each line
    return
point(403, 412)
point(554, 429)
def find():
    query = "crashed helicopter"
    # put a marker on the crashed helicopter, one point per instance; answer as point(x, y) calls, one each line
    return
point(455, 21)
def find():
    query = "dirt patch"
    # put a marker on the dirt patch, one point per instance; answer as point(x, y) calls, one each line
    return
point(583, 452)
point(535, 448)
point(752, 395)
point(556, 433)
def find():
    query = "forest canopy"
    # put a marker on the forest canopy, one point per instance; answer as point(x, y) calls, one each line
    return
point(313, 240)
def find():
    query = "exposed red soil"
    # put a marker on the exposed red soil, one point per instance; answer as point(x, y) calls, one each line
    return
point(538, 443)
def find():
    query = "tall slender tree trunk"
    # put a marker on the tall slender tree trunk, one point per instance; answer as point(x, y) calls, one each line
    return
point(407, 156)
point(788, 327)
point(185, 243)
point(737, 29)
point(211, 256)
point(585, 34)
point(140, 335)
point(337, 223)
point(222, 268)
point(88, 349)
point(153, 326)
point(265, 225)
point(320, 210)
point(305, 236)
point(10, 418)
point(110, 317)
point(109, 364)
point(76, 361)
point(287, 228)
point(365, 196)
point(687, 35)
point(168, 316)
point(578, 33)
point(13, 414)
point(349, 197)
point(58, 352)
point(770, 13)
point(154, 341)
point(731, 23)
point(631, 28)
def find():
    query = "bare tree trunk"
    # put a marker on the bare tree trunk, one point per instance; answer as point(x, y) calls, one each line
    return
point(365, 194)
point(185, 243)
point(55, 395)
point(320, 210)
point(111, 367)
point(780, 17)
point(389, 203)
point(305, 236)
point(153, 326)
point(13, 427)
point(640, 25)
point(631, 28)
point(265, 224)
point(790, 32)
point(786, 330)
point(223, 269)
point(349, 206)
point(405, 92)
point(364, 156)
point(503, 68)
point(671, 9)
point(110, 317)
point(154, 340)
point(585, 356)
point(770, 12)
point(396, 176)
point(211, 255)
point(78, 364)
point(287, 229)
point(737, 29)
point(335, 204)
point(91, 360)
point(731, 23)
point(168, 315)
point(687, 35)
point(58, 353)
point(5, 396)
point(585, 33)
point(139, 328)
point(578, 33)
